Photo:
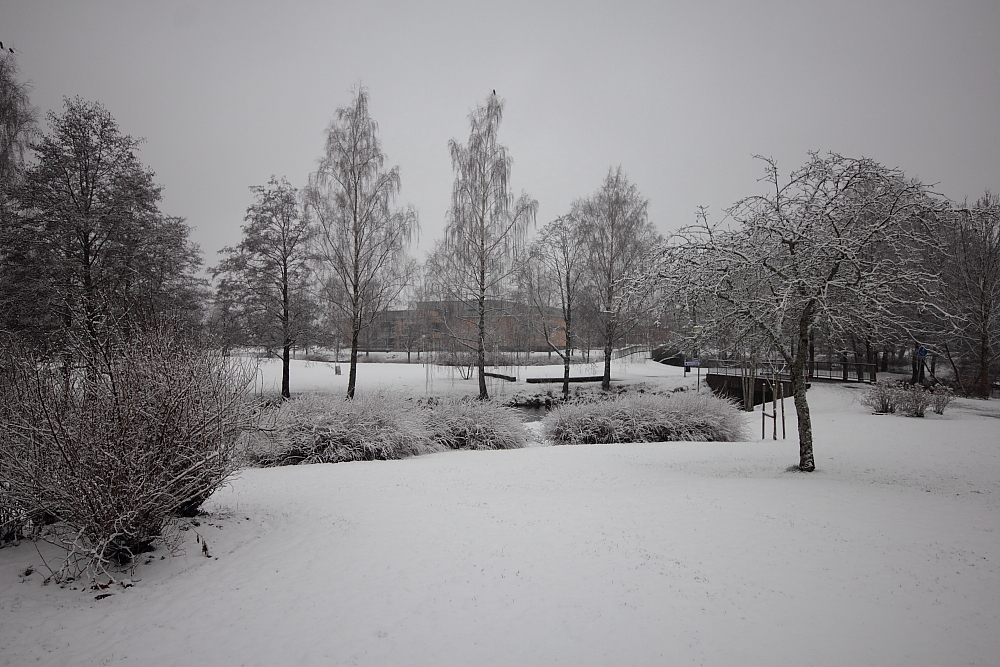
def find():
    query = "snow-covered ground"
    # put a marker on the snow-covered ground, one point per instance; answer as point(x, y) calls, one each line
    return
point(671, 553)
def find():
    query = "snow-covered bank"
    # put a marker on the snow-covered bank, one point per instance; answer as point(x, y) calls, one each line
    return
point(675, 553)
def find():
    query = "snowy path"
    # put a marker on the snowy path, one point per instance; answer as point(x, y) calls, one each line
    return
point(679, 553)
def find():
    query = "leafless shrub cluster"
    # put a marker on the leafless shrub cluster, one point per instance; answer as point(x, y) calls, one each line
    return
point(882, 398)
point(645, 418)
point(911, 400)
point(941, 398)
point(106, 450)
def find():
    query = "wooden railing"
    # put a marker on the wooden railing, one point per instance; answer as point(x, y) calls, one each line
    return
point(849, 371)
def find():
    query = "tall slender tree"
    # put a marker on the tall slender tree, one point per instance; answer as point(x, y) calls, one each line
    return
point(362, 237)
point(557, 280)
point(18, 120)
point(618, 234)
point(18, 269)
point(484, 237)
point(268, 273)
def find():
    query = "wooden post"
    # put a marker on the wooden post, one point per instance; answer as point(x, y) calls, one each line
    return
point(774, 408)
point(782, 389)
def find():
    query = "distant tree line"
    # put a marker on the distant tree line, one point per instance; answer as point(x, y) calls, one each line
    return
point(346, 264)
point(843, 256)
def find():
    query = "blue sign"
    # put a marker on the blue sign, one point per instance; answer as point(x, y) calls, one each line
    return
point(691, 364)
point(921, 351)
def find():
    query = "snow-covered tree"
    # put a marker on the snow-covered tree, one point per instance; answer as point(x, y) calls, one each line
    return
point(969, 261)
point(484, 238)
point(831, 245)
point(266, 277)
point(617, 233)
point(91, 246)
point(363, 237)
point(555, 279)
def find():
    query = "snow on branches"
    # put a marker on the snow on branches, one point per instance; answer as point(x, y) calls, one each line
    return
point(833, 243)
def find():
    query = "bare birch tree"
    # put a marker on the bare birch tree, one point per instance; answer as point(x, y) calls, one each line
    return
point(363, 238)
point(618, 235)
point(17, 122)
point(800, 257)
point(556, 279)
point(484, 238)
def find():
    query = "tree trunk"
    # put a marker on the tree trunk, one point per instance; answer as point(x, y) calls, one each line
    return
point(484, 394)
point(286, 347)
point(352, 377)
point(567, 349)
point(812, 353)
point(917, 366)
point(609, 341)
point(871, 358)
point(285, 356)
point(606, 380)
point(981, 384)
point(807, 463)
point(565, 357)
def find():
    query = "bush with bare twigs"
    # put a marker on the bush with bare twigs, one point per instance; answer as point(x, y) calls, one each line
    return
point(941, 398)
point(645, 418)
point(107, 450)
point(911, 400)
point(883, 397)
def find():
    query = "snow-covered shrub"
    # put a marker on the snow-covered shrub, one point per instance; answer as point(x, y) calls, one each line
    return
point(107, 450)
point(883, 397)
point(645, 418)
point(913, 400)
point(330, 429)
point(941, 398)
point(473, 424)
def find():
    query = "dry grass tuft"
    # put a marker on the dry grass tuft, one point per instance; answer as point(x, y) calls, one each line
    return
point(472, 424)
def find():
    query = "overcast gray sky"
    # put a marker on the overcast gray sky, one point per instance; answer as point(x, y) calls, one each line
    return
point(680, 94)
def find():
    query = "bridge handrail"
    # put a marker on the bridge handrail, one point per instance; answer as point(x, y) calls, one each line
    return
point(851, 371)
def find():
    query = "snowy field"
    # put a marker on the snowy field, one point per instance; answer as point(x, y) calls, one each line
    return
point(427, 380)
point(665, 554)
